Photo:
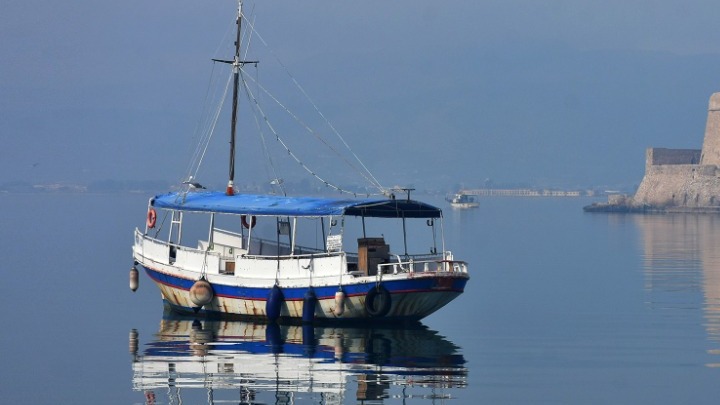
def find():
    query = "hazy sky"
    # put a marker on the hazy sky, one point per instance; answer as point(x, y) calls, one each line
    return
point(565, 93)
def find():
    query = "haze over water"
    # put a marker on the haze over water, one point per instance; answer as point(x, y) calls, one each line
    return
point(562, 307)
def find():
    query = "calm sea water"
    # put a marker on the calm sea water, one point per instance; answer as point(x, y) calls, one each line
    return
point(562, 307)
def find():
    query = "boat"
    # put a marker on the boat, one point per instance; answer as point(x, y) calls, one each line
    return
point(192, 361)
point(461, 200)
point(321, 258)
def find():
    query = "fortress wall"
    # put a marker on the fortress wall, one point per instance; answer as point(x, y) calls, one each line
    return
point(711, 143)
point(679, 186)
point(664, 156)
point(684, 179)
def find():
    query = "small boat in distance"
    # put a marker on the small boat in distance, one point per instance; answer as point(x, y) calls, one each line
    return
point(233, 270)
point(461, 200)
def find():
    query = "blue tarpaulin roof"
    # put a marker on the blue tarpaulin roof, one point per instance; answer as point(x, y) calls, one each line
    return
point(248, 204)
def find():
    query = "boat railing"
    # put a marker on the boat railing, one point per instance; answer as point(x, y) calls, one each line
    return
point(422, 264)
point(231, 243)
point(206, 258)
point(321, 264)
point(170, 253)
point(316, 255)
point(298, 250)
point(255, 244)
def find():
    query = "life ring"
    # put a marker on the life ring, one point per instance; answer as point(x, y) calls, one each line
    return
point(151, 218)
point(377, 302)
point(253, 221)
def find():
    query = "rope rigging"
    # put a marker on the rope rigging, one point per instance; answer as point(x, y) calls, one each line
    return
point(277, 181)
point(282, 142)
point(206, 129)
point(206, 135)
point(367, 174)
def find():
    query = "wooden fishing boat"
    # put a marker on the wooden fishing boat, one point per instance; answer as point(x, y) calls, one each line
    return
point(349, 273)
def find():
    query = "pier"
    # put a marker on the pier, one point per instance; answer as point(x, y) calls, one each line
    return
point(521, 192)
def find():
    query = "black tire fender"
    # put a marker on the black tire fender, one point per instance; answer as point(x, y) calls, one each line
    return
point(378, 301)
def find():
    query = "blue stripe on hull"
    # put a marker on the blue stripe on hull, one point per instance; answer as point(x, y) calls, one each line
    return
point(413, 285)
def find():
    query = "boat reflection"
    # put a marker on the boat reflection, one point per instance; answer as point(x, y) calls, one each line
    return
point(250, 362)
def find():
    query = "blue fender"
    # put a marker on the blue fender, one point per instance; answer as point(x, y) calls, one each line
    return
point(274, 304)
point(309, 303)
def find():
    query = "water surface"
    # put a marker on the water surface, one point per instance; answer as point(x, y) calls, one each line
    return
point(562, 307)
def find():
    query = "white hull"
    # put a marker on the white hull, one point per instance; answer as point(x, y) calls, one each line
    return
point(463, 201)
point(415, 288)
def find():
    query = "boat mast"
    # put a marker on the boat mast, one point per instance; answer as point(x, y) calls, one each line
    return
point(236, 64)
point(236, 82)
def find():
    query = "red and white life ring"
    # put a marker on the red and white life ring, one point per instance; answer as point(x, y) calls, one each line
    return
point(151, 218)
point(245, 223)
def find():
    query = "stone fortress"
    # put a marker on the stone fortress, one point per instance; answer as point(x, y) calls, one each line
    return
point(678, 180)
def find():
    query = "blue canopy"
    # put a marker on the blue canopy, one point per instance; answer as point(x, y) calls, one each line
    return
point(248, 204)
